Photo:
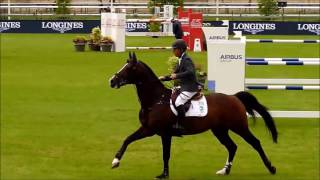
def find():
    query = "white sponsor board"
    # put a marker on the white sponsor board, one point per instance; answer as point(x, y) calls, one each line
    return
point(226, 66)
point(114, 25)
point(215, 33)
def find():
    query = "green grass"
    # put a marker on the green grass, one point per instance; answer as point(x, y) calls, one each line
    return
point(61, 120)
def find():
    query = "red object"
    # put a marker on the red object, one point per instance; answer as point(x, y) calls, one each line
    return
point(192, 27)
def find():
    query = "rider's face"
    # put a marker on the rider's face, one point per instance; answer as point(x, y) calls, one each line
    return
point(177, 52)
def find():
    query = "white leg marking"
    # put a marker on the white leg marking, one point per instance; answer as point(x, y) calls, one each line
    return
point(115, 162)
point(223, 171)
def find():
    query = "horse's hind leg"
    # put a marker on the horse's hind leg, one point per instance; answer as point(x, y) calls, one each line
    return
point(225, 139)
point(255, 143)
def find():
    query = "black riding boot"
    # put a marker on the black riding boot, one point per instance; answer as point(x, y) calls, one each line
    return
point(181, 116)
point(181, 112)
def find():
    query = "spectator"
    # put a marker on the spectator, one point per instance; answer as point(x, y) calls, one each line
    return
point(177, 29)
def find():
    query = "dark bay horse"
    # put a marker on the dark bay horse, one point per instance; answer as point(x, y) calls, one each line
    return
point(225, 112)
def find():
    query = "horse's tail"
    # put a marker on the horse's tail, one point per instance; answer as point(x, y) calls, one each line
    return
point(251, 103)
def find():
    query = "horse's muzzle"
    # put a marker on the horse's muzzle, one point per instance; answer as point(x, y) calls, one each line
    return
point(114, 82)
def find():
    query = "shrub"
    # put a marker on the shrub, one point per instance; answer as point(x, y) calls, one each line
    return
point(172, 63)
point(80, 39)
point(201, 75)
point(95, 35)
point(154, 26)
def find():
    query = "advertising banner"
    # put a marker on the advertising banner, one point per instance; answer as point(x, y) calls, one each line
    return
point(275, 28)
point(85, 26)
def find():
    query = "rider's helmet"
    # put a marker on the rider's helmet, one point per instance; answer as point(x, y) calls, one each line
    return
point(179, 44)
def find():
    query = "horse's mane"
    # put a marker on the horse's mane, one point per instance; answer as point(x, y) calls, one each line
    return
point(154, 77)
point(150, 70)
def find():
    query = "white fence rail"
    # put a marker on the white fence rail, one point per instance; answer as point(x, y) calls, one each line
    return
point(304, 7)
point(257, 81)
point(295, 114)
point(145, 7)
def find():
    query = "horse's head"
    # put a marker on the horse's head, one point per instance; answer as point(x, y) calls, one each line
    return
point(128, 74)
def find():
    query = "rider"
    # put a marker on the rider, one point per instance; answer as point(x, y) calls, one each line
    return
point(185, 72)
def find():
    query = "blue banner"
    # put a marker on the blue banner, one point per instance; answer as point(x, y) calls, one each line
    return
point(85, 26)
point(36, 26)
point(137, 27)
point(275, 28)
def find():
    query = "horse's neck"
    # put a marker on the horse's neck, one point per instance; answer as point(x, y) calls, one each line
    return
point(150, 94)
point(150, 90)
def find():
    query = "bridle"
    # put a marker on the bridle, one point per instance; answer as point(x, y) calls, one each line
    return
point(120, 81)
point(125, 81)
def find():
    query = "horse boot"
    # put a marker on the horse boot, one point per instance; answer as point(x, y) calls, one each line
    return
point(181, 116)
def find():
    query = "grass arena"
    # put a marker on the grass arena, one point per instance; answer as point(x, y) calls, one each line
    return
point(61, 120)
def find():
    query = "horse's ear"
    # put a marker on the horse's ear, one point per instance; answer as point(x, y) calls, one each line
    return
point(134, 57)
point(130, 56)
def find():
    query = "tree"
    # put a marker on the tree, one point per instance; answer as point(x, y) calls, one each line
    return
point(268, 7)
point(166, 2)
point(160, 3)
point(62, 7)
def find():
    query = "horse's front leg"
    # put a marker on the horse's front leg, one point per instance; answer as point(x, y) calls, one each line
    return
point(166, 147)
point(139, 134)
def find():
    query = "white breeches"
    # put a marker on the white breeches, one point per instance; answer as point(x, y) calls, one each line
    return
point(183, 97)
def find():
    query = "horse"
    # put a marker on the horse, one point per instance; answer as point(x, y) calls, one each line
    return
point(225, 112)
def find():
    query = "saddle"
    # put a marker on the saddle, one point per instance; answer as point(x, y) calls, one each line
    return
point(175, 93)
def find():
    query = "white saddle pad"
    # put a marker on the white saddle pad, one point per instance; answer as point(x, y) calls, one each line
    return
point(198, 108)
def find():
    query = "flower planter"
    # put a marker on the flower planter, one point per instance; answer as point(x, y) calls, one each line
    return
point(94, 47)
point(106, 47)
point(80, 47)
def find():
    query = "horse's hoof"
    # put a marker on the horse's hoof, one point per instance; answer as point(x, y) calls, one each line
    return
point(162, 176)
point(273, 170)
point(115, 163)
point(223, 172)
